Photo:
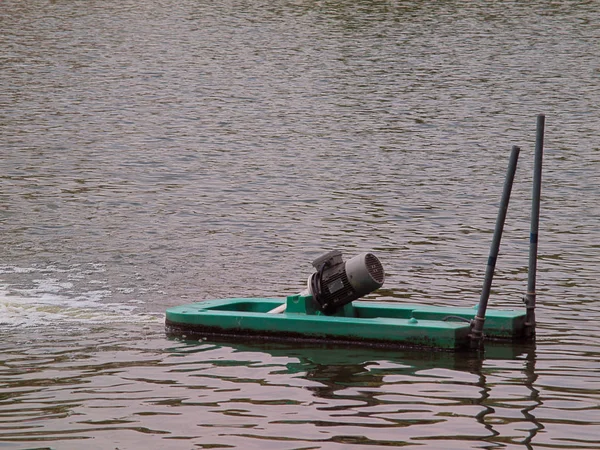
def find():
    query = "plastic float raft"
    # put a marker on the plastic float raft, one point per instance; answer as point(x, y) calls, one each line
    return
point(361, 322)
point(326, 311)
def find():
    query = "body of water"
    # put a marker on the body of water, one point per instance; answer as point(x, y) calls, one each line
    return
point(159, 153)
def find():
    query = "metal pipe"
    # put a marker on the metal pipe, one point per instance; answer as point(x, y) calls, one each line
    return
point(530, 297)
point(477, 323)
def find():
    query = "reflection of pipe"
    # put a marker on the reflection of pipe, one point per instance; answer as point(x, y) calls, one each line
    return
point(484, 396)
point(487, 412)
point(477, 324)
point(535, 223)
point(531, 378)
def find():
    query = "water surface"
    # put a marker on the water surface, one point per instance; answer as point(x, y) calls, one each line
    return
point(157, 153)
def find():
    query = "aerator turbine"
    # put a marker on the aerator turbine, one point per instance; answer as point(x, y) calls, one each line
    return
point(337, 282)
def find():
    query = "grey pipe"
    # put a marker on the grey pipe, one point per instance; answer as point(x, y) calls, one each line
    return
point(477, 323)
point(530, 297)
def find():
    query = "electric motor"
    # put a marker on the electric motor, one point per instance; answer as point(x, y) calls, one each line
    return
point(337, 282)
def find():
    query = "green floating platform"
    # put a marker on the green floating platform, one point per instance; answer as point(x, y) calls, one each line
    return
point(358, 323)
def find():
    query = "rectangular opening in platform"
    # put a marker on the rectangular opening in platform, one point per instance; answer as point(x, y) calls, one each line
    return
point(244, 306)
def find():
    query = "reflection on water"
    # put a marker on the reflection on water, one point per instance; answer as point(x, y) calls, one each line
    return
point(156, 153)
point(119, 391)
point(133, 392)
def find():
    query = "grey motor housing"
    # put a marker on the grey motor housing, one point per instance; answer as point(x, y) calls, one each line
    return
point(337, 282)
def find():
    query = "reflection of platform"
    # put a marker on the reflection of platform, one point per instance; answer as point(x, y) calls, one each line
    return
point(358, 323)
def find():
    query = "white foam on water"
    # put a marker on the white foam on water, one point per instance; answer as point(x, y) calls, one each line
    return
point(45, 300)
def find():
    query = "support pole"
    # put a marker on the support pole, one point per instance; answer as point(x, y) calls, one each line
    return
point(535, 224)
point(477, 323)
